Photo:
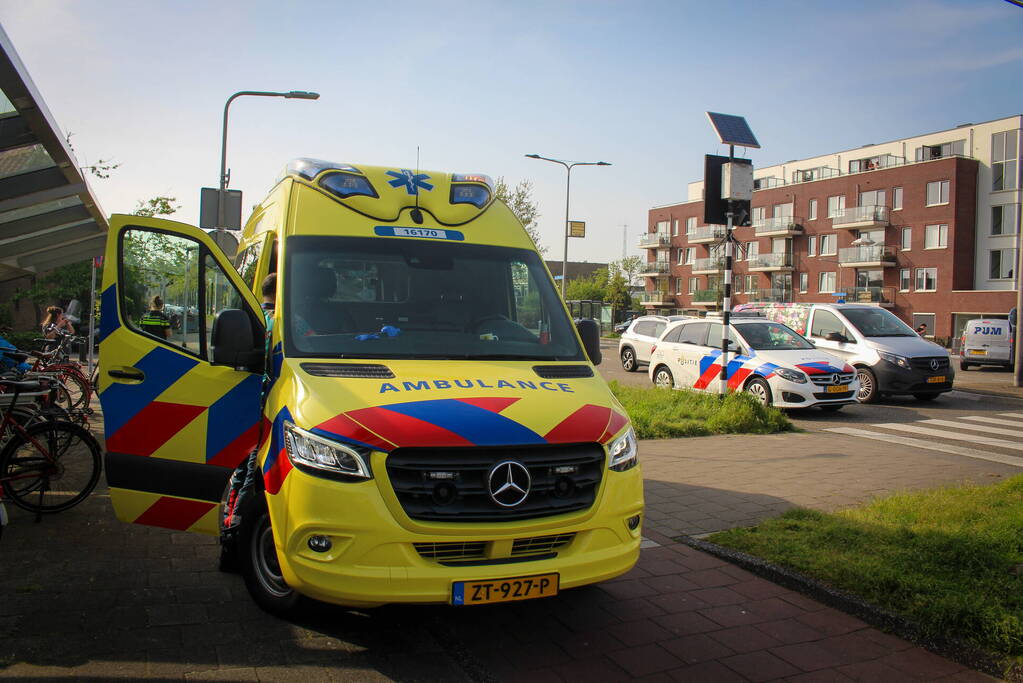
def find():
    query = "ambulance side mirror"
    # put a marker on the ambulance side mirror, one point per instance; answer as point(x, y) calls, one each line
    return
point(589, 332)
point(236, 341)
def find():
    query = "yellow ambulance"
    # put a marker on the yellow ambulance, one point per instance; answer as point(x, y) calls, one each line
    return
point(427, 423)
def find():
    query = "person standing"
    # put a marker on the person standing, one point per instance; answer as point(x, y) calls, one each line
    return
point(55, 323)
point(156, 322)
point(922, 330)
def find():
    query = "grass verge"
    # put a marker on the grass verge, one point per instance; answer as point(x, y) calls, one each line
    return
point(660, 414)
point(949, 559)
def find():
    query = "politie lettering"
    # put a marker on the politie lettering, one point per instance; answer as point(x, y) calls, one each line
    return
point(427, 385)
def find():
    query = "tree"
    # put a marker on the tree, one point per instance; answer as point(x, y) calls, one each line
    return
point(157, 206)
point(100, 169)
point(520, 201)
point(630, 266)
point(592, 287)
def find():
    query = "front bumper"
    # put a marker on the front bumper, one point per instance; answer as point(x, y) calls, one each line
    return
point(788, 394)
point(373, 559)
point(892, 379)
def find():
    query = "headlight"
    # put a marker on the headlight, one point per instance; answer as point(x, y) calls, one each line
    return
point(901, 361)
point(306, 449)
point(624, 452)
point(791, 375)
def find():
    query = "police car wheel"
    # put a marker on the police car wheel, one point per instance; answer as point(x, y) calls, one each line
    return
point(964, 366)
point(663, 378)
point(760, 390)
point(868, 392)
point(628, 359)
point(262, 570)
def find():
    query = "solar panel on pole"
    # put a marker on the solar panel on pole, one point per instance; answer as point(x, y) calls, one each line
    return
point(733, 130)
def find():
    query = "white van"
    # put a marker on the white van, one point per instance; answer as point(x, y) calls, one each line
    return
point(889, 357)
point(986, 341)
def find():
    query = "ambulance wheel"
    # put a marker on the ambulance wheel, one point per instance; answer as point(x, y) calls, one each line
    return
point(663, 378)
point(760, 390)
point(629, 363)
point(964, 366)
point(868, 392)
point(262, 570)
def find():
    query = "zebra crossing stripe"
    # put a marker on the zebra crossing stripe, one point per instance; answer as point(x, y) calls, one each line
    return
point(953, 436)
point(930, 446)
point(1011, 414)
point(993, 420)
point(987, 429)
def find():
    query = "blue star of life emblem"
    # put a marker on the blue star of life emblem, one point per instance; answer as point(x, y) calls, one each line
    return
point(411, 181)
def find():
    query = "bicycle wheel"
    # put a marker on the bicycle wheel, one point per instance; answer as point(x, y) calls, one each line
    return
point(50, 467)
point(78, 392)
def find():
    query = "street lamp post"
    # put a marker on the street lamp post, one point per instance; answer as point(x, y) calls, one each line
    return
point(224, 175)
point(569, 165)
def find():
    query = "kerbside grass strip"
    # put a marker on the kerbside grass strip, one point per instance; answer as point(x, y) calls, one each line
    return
point(662, 414)
point(949, 559)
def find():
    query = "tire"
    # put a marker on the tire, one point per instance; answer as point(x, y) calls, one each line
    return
point(628, 356)
point(261, 568)
point(663, 378)
point(831, 409)
point(925, 397)
point(77, 390)
point(964, 366)
point(760, 390)
point(28, 475)
point(868, 392)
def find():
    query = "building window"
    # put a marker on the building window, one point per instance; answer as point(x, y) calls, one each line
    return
point(752, 250)
point(813, 210)
point(907, 239)
point(1003, 264)
point(688, 256)
point(1003, 219)
point(873, 198)
point(904, 280)
point(662, 227)
point(937, 192)
point(758, 214)
point(674, 227)
point(751, 284)
point(926, 279)
point(928, 152)
point(783, 210)
point(935, 237)
point(924, 319)
point(690, 225)
point(804, 282)
point(1003, 160)
point(678, 285)
point(896, 198)
point(811, 245)
point(694, 284)
point(826, 283)
point(829, 245)
point(836, 205)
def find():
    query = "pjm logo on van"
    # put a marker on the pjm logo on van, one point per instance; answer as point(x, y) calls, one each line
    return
point(427, 385)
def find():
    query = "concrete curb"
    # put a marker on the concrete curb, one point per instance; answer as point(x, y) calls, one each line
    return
point(952, 648)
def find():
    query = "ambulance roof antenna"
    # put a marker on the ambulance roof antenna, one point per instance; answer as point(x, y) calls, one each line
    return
point(416, 214)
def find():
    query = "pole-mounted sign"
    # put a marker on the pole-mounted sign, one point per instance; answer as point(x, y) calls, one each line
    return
point(577, 228)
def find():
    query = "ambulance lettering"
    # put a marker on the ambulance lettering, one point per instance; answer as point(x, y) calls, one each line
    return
point(427, 385)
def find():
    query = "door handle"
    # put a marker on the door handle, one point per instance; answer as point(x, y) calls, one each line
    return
point(130, 374)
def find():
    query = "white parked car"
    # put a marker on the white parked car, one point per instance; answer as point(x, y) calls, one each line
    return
point(636, 342)
point(767, 359)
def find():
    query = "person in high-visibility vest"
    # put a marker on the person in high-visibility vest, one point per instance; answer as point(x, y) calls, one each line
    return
point(156, 322)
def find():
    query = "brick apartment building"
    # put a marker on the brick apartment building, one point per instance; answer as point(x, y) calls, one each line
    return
point(924, 226)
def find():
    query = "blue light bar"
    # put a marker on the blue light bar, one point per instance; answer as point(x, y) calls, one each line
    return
point(344, 185)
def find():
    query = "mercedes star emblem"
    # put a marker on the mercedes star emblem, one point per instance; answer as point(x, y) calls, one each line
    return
point(934, 364)
point(509, 483)
point(836, 378)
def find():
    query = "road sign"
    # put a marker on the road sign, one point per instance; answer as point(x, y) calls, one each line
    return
point(577, 228)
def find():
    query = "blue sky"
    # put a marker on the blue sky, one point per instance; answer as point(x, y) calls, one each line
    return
point(476, 85)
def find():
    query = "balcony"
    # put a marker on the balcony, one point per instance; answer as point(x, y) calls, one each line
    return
point(879, 296)
point(707, 266)
point(706, 234)
point(774, 294)
point(808, 175)
point(861, 218)
point(862, 257)
point(658, 299)
point(763, 263)
point(653, 240)
point(782, 226)
point(705, 297)
point(655, 268)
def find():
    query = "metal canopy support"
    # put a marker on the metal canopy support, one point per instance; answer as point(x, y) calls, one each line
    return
point(43, 221)
point(14, 132)
point(24, 249)
point(52, 194)
point(67, 254)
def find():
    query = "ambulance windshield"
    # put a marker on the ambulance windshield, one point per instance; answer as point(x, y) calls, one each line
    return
point(353, 297)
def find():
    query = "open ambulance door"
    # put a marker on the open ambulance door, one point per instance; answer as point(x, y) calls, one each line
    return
point(176, 424)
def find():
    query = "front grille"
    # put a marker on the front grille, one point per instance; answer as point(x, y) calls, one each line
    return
point(563, 371)
point(925, 363)
point(540, 544)
point(824, 394)
point(826, 379)
point(451, 484)
point(451, 551)
point(350, 370)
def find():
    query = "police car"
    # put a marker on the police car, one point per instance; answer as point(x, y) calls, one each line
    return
point(766, 358)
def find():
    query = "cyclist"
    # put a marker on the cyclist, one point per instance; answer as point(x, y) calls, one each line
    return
point(156, 322)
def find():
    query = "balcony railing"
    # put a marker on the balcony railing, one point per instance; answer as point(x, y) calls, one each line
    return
point(861, 214)
point(778, 224)
point(875, 254)
point(708, 264)
point(705, 296)
point(656, 297)
point(770, 294)
point(654, 239)
point(870, 295)
point(772, 260)
point(706, 233)
point(656, 267)
point(768, 182)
